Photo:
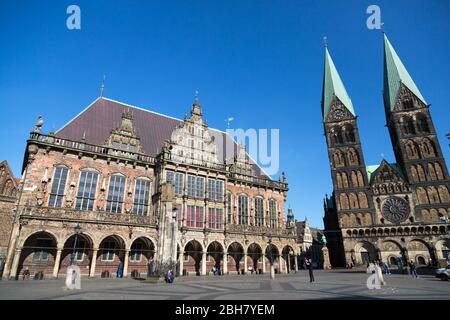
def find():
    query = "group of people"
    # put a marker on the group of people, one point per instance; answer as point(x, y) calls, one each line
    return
point(372, 267)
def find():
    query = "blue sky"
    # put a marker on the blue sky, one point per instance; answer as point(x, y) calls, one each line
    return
point(258, 61)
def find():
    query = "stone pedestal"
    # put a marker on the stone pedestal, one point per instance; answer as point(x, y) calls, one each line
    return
point(326, 258)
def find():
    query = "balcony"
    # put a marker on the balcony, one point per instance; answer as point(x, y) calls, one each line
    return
point(96, 217)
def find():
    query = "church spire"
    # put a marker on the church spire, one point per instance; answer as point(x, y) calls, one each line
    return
point(333, 87)
point(394, 74)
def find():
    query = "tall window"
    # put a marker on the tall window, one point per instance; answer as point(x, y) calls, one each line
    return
point(114, 202)
point(194, 216)
point(211, 189)
point(229, 208)
point(191, 186)
point(200, 189)
point(273, 213)
point(259, 212)
point(215, 190)
point(86, 190)
point(58, 185)
point(215, 218)
point(108, 251)
point(141, 197)
point(176, 178)
point(243, 209)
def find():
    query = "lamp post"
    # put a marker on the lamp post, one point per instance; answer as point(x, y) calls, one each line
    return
point(291, 253)
point(272, 269)
point(77, 232)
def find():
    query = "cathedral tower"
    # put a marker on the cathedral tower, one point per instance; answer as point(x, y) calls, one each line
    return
point(414, 140)
point(354, 206)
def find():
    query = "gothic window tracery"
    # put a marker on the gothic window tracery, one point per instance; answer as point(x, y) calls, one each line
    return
point(422, 123)
point(422, 195)
point(427, 148)
point(352, 157)
point(411, 150)
point(443, 193)
point(343, 199)
point(433, 194)
point(353, 201)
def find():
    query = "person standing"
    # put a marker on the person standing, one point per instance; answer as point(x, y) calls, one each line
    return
point(309, 265)
point(387, 270)
point(412, 267)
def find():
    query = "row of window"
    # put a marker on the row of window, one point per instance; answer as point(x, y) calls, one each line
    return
point(243, 212)
point(196, 186)
point(87, 187)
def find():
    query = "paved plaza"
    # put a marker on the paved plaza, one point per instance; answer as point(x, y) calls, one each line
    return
point(336, 284)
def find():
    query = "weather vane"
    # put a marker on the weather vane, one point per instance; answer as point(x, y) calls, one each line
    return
point(228, 121)
point(103, 86)
point(382, 27)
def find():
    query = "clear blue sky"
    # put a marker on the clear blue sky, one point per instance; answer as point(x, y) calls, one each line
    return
point(259, 61)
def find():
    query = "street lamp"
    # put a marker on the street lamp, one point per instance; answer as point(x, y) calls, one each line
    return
point(291, 253)
point(174, 239)
point(77, 232)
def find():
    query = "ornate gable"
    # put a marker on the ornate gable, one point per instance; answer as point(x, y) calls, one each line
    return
point(8, 184)
point(407, 100)
point(338, 112)
point(241, 164)
point(125, 137)
point(191, 141)
point(388, 179)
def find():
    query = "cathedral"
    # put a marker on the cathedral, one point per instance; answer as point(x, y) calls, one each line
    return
point(388, 211)
point(124, 191)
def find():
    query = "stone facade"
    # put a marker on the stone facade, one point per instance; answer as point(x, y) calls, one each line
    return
point(388, 211)
point(106, 206)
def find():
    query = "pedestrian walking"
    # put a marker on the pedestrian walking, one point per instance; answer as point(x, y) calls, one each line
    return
point(309, 265)
point(120, 270)
point(387, 270)
point(412, 267)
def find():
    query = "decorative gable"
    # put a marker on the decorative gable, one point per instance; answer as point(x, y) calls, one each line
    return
point(388, 179)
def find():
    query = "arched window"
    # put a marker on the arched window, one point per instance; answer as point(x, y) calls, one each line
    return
point(337, 158)
point(58, 186)
point(411, 150)
point(433, 195)
point(273, 213)
point(339, 180)
point(242, 209)
point(353, 201)
point(229, 208)
point(87, 187)
point(408, 125)
point(352, 157)
point(408, 104)
point(343, 199)
point(443, 194)
point(431, 171)
point(421, 173)
point(422, 123)
point(427, 148)
point(259, 212)
point(438, 170)
point(422, 195)
point(349, 133)
point(344, 180)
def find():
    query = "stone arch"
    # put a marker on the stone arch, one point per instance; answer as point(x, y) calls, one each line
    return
point(271, 254)
point(411, 150)
point(344, 180)
point(438, 170)
point(365, 252)
point(111, 255)
point(443, 194)
point(353, 200)
point(338, 159)
point(427, 148)
point(343, 200)
point(141, 256)
point(235, 257)
point(422, 195)
point(354, 179)
point(78, 250)
point(193, 251)
point(360, 179)
point(339, 180)
point(422, 123)
point(352, 157)
point(407, 125)
point(363, 200)
point(431, 171)
point(433, 195)
point(214, 255)
point(38, 254)
point(421, 173)
point(348, 132)
point(443, 248)
point(255, 256)
point(288, 255)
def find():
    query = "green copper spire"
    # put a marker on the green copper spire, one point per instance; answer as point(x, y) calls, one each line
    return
point(394, 73)
point(333, 86)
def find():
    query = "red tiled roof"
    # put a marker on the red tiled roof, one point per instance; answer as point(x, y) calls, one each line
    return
point(103, 115)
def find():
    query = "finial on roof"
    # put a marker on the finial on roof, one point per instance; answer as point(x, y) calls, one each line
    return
point(102, 88)
point(38, 125)
point(325, 41)
point(196, 96)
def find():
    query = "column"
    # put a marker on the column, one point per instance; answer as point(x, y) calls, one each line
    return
point(225, 262)
point(180, 272)
point(15, 264)
point(263, 263)
point(57, 263)
point(296, 262)
point(93, 263)
point(203, 273)
point(281, 263)
point(245, 263)
point(125, 263)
